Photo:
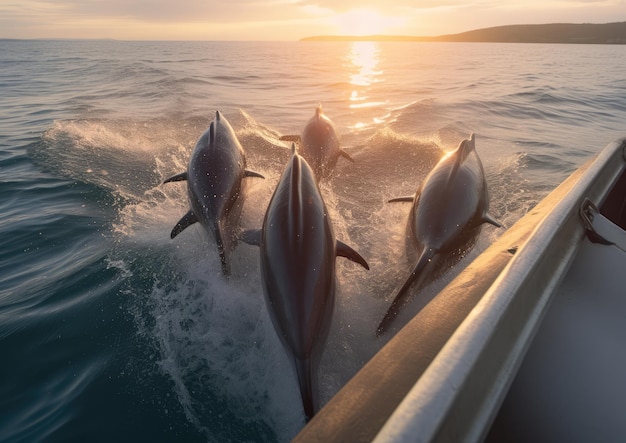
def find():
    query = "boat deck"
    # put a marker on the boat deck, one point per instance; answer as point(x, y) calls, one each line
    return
point(570, 386)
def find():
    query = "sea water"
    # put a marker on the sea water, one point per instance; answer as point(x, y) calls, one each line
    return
point(111, 331)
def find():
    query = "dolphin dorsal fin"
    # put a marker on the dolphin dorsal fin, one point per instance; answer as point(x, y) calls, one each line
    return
point(293, 149)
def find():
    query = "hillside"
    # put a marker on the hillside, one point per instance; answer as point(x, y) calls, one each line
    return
point(584, 33)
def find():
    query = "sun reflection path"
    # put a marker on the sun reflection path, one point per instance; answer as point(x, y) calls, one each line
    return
point(363, 61)
point(364, 56)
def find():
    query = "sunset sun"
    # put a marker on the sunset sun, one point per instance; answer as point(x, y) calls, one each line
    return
point(366, 22)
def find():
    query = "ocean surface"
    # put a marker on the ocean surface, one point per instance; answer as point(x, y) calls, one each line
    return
point(111, 331)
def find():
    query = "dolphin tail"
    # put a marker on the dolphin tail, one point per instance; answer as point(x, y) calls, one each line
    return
point(177, 178)
point(248, 173)
point(345, 155)
point(291, 138)
point(343, 250)
point(188, 219)
point(399, 300)
point(222, 248)
point(306, 380)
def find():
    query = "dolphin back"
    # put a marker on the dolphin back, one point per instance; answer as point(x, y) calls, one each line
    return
point(298, 271)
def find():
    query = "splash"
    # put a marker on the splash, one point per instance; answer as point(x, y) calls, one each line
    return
point(213, 336)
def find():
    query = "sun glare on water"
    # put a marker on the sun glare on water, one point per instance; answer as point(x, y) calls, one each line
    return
point(359, 22)
point(362, 66)
point(363, 58)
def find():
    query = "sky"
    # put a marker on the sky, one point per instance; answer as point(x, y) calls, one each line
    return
point(284, 19)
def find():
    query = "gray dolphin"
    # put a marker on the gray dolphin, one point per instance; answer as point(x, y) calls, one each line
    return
point(298, 250)
point(319, 144)
point(448, 212)
point(215, 186)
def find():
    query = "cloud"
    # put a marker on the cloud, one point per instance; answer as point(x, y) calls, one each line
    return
point(210, 11)
point(168, 11)
point(391, 7)
point(277, 19)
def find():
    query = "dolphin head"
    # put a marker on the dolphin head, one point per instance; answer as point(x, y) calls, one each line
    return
point(466, 147)
point(318, 111)
point(320, 144)
point(204, 142)
point(322, 119)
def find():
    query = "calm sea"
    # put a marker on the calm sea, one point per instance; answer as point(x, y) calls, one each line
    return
point(110, 331)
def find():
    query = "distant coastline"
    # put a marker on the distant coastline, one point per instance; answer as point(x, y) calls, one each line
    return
point(583, 33)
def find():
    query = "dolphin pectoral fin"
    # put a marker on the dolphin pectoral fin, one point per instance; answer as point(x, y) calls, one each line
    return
point(408, 198)
point(345, 155)
point(248, 173)
point(187, 220)
point(400, 298)
point(346, 251)
point(290, 138)
point(177, 178)
point(492, 221)
point(251, 237)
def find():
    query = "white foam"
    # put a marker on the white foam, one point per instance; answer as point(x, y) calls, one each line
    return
point(214, 335)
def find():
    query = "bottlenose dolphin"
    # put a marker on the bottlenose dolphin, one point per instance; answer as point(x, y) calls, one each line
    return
point(298, 250)
point(319, 144)
point(447, 215)
point(215, 188)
